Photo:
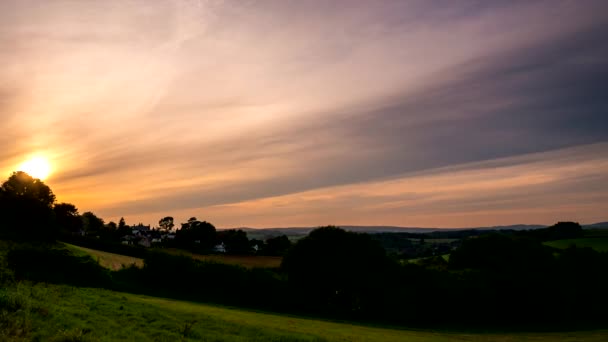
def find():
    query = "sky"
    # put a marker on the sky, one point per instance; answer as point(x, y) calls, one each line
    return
point(306, 113)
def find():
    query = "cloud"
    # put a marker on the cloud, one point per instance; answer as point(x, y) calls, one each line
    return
point(541, 188)
point(156, 107)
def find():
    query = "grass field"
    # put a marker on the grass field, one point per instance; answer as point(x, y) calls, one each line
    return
point(105, 259)
point(45, 312)
point(117, 261)
point(434, 241)
point(248, 261)
point(600, 244)
point(445, 257)
point(595, 233)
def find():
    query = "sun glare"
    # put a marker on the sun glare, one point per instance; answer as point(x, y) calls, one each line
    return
point(37, 167)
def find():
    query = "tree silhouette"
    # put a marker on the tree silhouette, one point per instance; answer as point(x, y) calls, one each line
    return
point(93, 225)
point(123, 229)
point(336, 269)
point(26, 208)
point(235, 241)
point(277, 245)
point(67, 217)
point(166, 223)
point(196, 234)
point(121, 223)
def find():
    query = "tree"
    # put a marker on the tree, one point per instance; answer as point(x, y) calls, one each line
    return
point(21, 186)
point(565, 230)
point(277, 245)
point(337, 270)
point(67, 217)
point(196, 234)
point(498, 253)
point(121, 223)
point(235, 241)
point(92, 224)
point(123, 229)
point(26, 208)
point(166, 223)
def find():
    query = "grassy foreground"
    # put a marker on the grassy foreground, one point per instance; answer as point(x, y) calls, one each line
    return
point(45, 312)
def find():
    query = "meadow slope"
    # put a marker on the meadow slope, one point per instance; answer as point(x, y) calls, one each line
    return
point(108, 260)
point(600, 244)
point(45, 312)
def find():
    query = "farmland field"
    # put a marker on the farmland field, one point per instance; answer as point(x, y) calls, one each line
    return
point(108, 260)
point(249, 261)
point(48, 312)
point(434, 241)
point(600, 244)
point(445, 257)
point(116, 261)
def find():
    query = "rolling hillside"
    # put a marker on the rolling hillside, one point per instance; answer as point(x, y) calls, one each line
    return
point(45, 312)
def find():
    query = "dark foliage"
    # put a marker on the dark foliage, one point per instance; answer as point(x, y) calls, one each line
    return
point(336, 270)
point(276, 246)
point(235, 241)
point(67, 218)
point(26, 208)
point(186, 278)
point(166, 223)
point(499, 253)
point(196, 235)
point(560, 230)
point(51, 263)
point(92, 224)
point(107, 246)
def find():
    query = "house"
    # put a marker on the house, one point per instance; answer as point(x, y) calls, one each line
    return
point(127, 240)
point(221, 248)
point(140, 228)
point(144, 241)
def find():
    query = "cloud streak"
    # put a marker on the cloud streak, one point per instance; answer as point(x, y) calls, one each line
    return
point(153, 108)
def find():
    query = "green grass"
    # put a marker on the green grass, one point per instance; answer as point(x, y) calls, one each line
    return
point(44, 312)
point(117, 261)
point(433, 241)
point(248, 261)
point(108, 260)
point(595, 233)
point(600, 244)
point(445, 257)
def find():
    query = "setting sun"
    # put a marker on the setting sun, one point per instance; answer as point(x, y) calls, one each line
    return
point(37, 167)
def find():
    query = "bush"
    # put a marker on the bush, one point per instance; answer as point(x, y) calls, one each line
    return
point(337, 271)
point(50, 263)
point(106, 246)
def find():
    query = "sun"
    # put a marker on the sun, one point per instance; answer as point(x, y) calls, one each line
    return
point(37, 167)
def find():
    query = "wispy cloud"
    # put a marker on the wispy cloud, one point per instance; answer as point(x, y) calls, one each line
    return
point(162, 107)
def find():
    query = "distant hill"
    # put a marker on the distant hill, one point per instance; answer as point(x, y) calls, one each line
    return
point(265, 233)
point(296, 232)
point(599, 225)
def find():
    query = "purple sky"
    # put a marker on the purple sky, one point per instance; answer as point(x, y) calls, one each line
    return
point(304, 113)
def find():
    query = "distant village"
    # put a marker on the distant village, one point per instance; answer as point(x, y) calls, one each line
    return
point(147, 236)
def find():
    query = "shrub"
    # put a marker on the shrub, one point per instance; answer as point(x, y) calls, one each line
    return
point(49, 263)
